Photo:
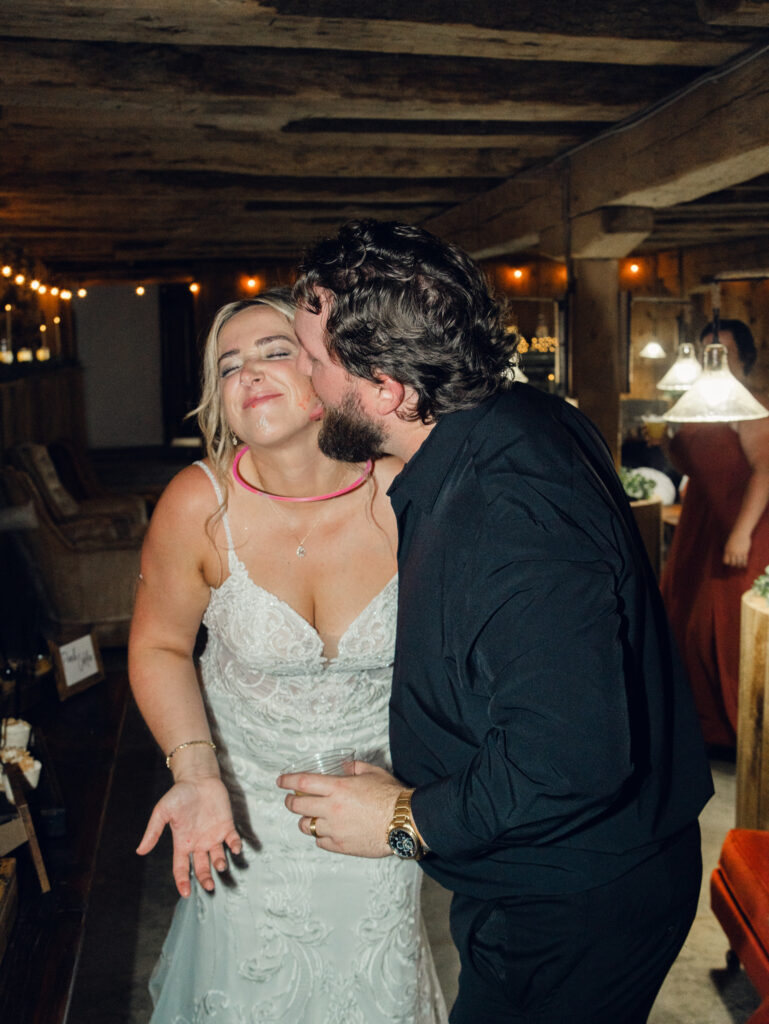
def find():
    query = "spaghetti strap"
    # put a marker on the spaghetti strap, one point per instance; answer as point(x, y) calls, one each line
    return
point(225, 517)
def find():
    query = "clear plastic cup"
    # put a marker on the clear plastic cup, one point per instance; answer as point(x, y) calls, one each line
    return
point(324, 762)
point(656, 428)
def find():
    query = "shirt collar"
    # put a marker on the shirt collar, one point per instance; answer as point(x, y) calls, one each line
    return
point(422, 477)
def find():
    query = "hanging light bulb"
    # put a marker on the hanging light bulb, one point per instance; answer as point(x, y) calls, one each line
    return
point(653, 350)
point(684, 371)
point(716, 396)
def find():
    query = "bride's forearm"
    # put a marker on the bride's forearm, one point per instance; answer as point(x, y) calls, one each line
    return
point(166, 689)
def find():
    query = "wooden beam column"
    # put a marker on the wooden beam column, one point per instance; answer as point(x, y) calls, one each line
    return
point(596, 346)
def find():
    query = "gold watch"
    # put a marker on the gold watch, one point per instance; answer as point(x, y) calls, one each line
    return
point(402, 835)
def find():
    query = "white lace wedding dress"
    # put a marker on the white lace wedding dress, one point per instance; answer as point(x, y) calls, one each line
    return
point(295, 934)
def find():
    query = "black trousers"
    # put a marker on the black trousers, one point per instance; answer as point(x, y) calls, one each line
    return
point(594, 957)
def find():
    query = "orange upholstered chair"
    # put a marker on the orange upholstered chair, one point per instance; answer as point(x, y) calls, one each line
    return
point(739, 896)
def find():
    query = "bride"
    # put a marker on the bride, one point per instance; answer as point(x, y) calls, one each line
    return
point(288, 558)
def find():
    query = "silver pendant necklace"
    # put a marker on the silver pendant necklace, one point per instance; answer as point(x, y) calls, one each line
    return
point(301, 550)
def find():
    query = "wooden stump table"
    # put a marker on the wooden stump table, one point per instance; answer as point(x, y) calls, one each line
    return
point(753, 715)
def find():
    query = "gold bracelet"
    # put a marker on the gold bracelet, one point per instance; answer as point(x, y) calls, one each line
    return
point(189, 743)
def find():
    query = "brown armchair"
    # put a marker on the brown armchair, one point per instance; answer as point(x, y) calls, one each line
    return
point(89, 571)
point(125, 516)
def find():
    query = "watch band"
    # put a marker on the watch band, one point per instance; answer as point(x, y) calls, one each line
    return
point(403, 836)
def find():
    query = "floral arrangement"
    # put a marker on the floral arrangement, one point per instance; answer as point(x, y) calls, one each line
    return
point(761, 585)
point(637, 486)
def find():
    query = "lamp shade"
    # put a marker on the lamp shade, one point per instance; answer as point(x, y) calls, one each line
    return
point(652, 350)
point(716, 396)
point(684, 371)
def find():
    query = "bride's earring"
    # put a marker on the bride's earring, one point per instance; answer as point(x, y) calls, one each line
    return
point(235, 440)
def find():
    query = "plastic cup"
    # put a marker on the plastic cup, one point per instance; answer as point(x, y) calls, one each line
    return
point(324, 762)
point(656, 427)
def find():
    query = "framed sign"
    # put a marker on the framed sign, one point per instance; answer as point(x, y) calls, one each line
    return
point(78, 665)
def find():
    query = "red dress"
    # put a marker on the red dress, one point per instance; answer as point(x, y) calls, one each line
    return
point(702, 595)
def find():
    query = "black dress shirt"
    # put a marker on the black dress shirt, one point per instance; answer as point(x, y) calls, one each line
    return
point(538, 704)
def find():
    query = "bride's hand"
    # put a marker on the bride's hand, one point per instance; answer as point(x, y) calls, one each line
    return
point(200, 818)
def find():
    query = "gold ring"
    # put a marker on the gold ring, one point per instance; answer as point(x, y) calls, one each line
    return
point(313, 833)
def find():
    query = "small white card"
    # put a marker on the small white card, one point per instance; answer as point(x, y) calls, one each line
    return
point(78, 660)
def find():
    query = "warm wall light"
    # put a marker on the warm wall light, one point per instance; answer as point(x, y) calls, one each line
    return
point(515, 275)
point(194, 287)
point(634, 268)
point(140, 289)
point(24, 355)
point(81, 293)
point(251, 283)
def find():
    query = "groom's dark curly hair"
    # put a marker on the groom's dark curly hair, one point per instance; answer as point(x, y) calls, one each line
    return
point(412, 307)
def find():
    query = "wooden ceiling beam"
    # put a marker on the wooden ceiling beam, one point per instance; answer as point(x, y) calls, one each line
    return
point(707, 139)
point(538, 145)
point(267, 89)
point(748, 13)
point(240, 23)
point(178, 150)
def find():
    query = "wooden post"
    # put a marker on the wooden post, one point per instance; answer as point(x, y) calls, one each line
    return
point(596, 346)
point(753, 715)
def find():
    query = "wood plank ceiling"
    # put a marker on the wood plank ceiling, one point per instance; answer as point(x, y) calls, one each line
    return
point(153, 136)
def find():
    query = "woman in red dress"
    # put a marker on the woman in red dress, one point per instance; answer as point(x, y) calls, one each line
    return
point(721, 543)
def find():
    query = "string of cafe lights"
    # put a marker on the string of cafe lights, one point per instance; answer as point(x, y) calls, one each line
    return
point(36, 285)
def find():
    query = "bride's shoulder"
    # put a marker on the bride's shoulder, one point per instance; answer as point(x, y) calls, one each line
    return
point(190, 493)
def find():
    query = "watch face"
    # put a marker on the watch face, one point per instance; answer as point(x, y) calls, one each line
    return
point(403, 844)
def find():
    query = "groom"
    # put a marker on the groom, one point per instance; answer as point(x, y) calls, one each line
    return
point(551, 760)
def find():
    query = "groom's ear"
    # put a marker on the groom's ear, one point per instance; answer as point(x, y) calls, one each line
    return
point(390, 394)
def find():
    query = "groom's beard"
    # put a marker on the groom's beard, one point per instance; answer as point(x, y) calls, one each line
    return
point(348, 435)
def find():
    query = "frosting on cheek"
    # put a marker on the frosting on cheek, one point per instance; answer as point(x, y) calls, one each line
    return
point(310, 401)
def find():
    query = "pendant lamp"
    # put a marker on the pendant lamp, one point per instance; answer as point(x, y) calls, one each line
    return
point(684, 371)
point(652, 350)
point(716, 396)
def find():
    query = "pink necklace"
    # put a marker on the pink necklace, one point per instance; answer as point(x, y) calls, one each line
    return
point(280, 497)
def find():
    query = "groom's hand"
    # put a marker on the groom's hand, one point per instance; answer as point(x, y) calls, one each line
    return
point(351, 813)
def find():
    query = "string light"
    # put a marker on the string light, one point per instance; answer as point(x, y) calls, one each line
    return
point(194, 287)
point(36, 285)
point(140, 289)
